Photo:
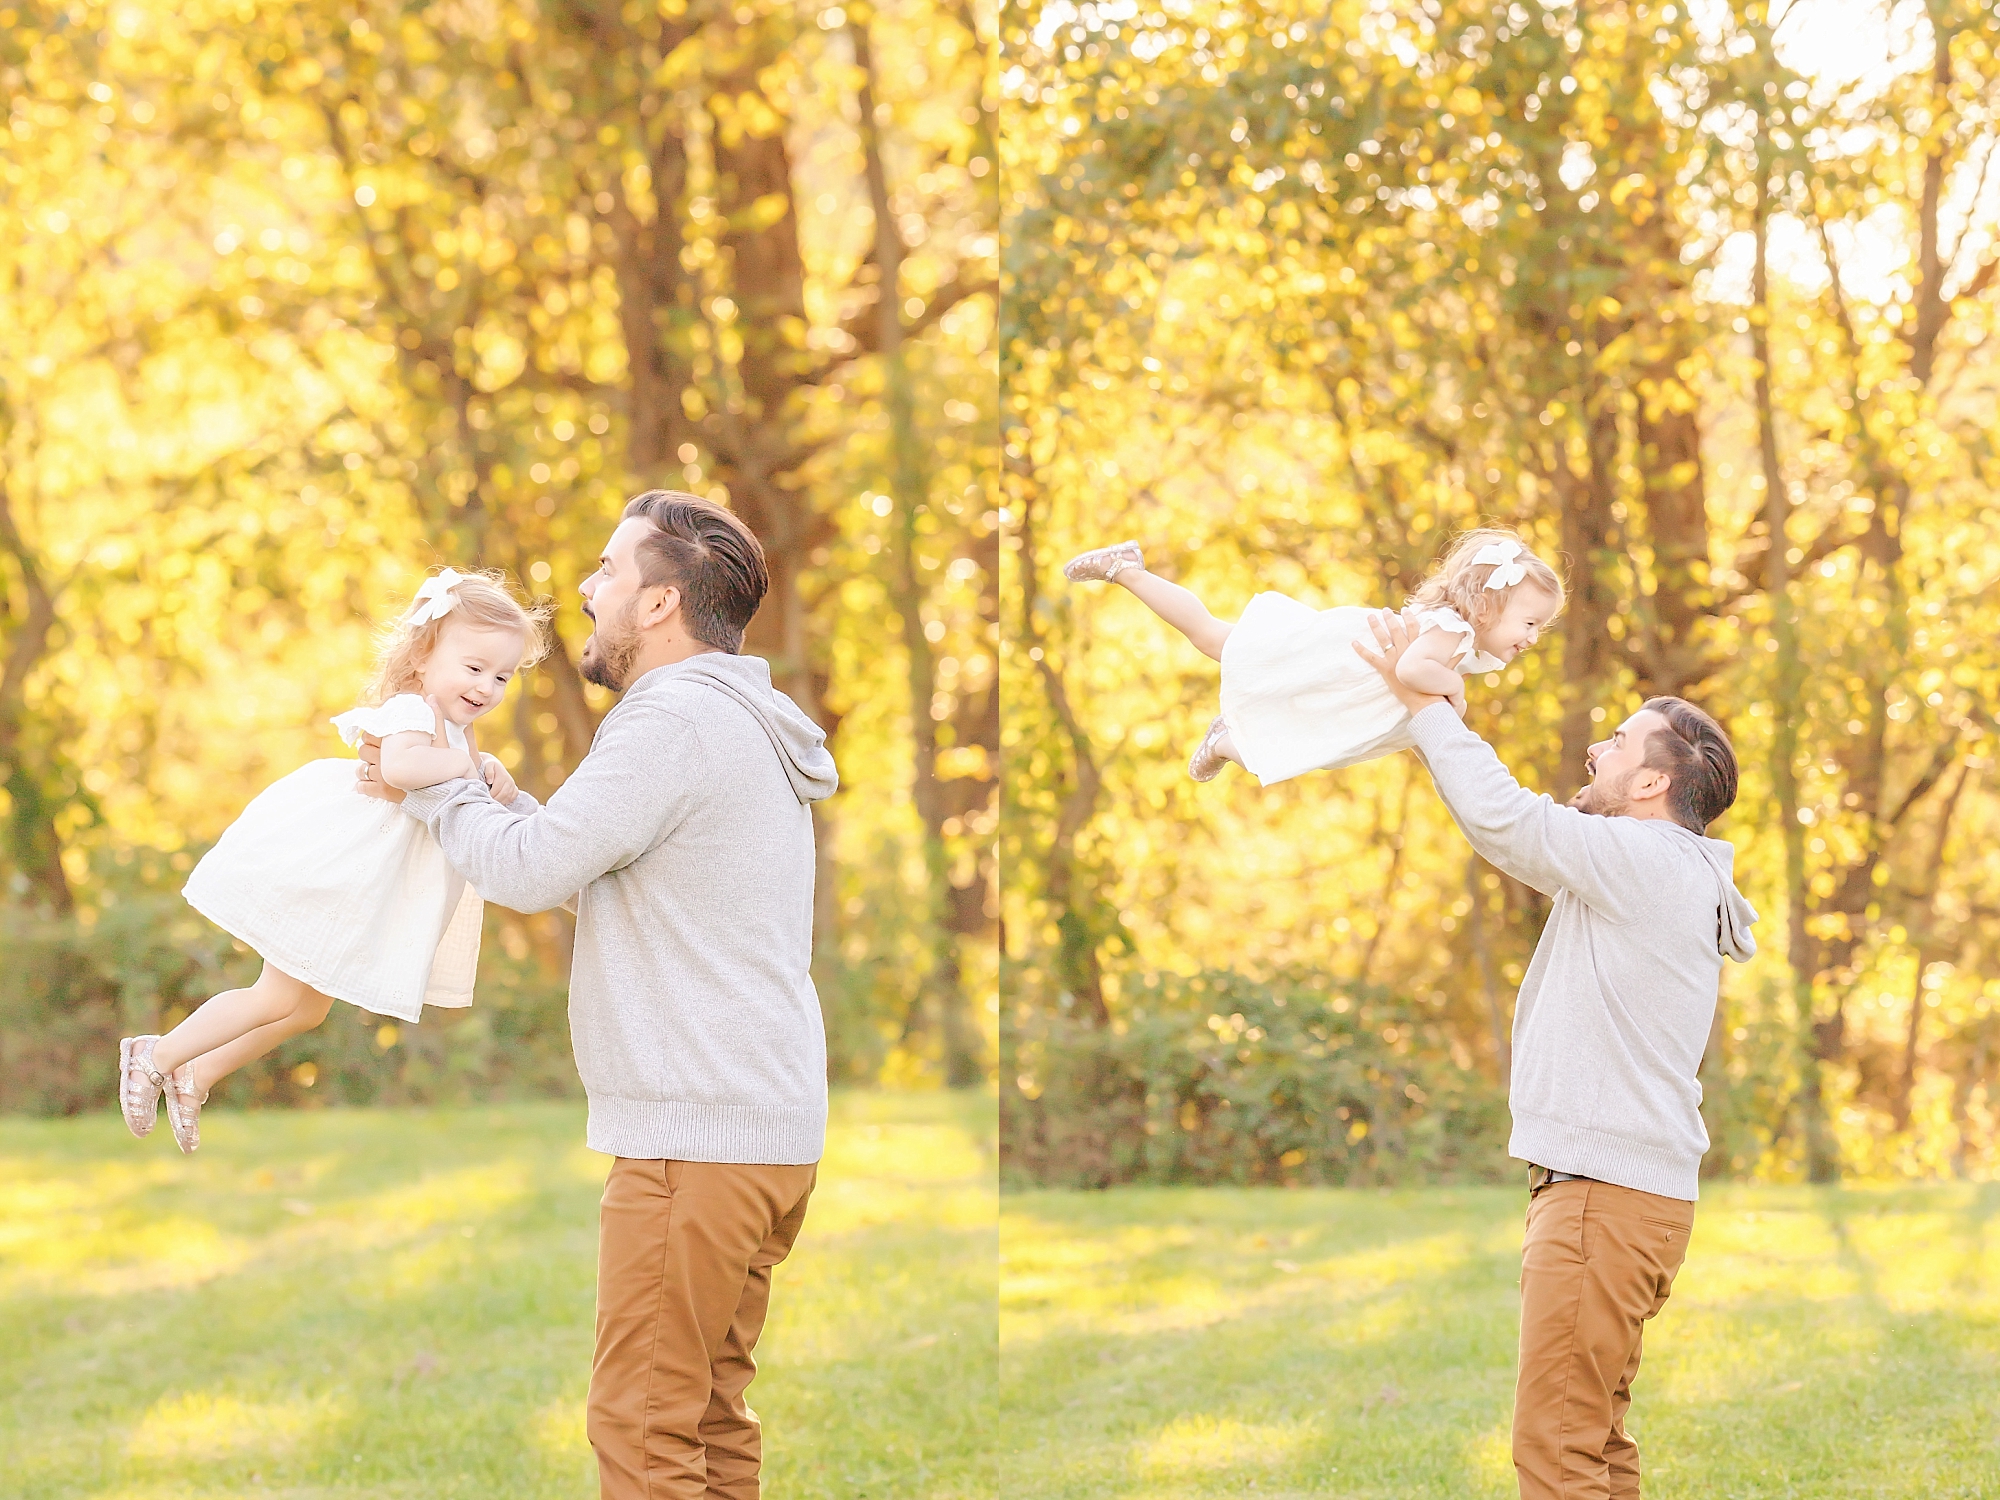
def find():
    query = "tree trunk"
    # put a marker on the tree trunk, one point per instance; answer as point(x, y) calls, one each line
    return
point(1931, 309)
point(1822, 1157)
point(1866, 757)
point(1078, 970)
point(1929, 949)
point(1673, 662)
point(755, 434)
point(909, 484)
point(1589, 542)
point(33, 846)
point(656, 300)
point(1667, 432)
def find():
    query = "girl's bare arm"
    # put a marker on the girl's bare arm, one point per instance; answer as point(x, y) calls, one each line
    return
point(1425, 666)
point(411, 760)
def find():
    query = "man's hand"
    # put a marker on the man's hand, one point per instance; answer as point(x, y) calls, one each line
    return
point(368, 774)
point(485, 767)
point(1394, 637)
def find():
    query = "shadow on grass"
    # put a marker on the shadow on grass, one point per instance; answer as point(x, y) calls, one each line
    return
point(275, 1312)
point(392, 1305)
point(1301, 1342)
point(1223, 1342)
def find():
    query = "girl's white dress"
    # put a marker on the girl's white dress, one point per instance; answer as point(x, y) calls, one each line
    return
point(1296, 698)
point(345, 891)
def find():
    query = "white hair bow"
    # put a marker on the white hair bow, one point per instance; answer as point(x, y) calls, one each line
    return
point(1506, 571)
point(435, 599)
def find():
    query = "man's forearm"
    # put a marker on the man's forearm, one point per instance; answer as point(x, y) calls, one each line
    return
point(492, 846)
point(1533, 838)
point(614, 806)
point(1479, 792)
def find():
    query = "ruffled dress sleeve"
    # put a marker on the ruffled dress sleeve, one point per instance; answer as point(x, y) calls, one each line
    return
point(1469, 661)
point(405, 711)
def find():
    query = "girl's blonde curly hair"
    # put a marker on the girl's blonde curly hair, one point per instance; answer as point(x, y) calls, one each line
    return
point(485, 602)
point(1457, 583)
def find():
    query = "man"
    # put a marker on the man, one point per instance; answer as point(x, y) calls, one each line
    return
point(688, 832)
point(1609, 1029)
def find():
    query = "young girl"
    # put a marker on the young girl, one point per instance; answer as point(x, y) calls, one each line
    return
point(1296, 698)
point(343, 896)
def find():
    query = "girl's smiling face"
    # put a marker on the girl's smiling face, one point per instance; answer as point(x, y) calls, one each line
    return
point(1518, 626)
point(469, 668)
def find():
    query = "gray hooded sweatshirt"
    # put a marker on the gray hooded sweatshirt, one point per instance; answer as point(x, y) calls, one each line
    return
point(688, 832)
point(1615, 1008)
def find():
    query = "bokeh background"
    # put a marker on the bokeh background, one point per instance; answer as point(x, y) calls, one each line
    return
point(1701, 298)
point(300, 300)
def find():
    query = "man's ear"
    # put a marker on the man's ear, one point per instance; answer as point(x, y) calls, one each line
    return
point(662, 605)
point(1649, 784)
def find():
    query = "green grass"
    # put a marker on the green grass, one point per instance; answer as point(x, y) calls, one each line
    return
point(1207, 1342)
point(398, 1303)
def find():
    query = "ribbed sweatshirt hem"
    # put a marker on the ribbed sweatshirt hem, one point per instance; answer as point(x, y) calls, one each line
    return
point(1616, 1159)
point(674, 1130)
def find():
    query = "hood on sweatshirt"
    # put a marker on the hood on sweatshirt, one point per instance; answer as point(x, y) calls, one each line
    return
point(800, 743)
point(1733, 915)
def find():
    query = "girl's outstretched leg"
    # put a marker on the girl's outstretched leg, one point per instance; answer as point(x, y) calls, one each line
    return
point(225, 1032)
point(233, 1014)
point(1180, 608)
point(1122, 563)
point(218, 1063)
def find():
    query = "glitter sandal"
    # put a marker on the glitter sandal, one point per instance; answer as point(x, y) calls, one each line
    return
point(1207, 762)
point(1104, 563)
point(138, 1098)
point(183, 1103)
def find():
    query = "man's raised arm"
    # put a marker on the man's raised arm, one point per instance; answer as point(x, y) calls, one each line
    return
point(1534, 839)
point(618, 803)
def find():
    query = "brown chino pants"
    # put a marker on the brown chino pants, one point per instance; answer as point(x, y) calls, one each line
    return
point(1598, 1261)
point(684, 1257)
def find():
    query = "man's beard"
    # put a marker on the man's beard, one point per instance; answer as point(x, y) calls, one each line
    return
point(608, 654)
point(1606, 799)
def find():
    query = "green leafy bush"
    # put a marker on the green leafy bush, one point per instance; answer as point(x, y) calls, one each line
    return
point(134, 957)
point(137, 958)
point(1220, 1078)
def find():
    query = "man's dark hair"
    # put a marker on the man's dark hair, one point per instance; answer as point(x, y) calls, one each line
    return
point(715, 561)
point(1700, 763)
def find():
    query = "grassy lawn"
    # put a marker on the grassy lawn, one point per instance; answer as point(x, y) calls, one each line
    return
point(1197, 1342)
point(398, 1304)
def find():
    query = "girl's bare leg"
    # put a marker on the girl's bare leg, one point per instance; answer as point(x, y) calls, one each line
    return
point(1179, 607)
point(233, 1015)
point(218, 1063)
